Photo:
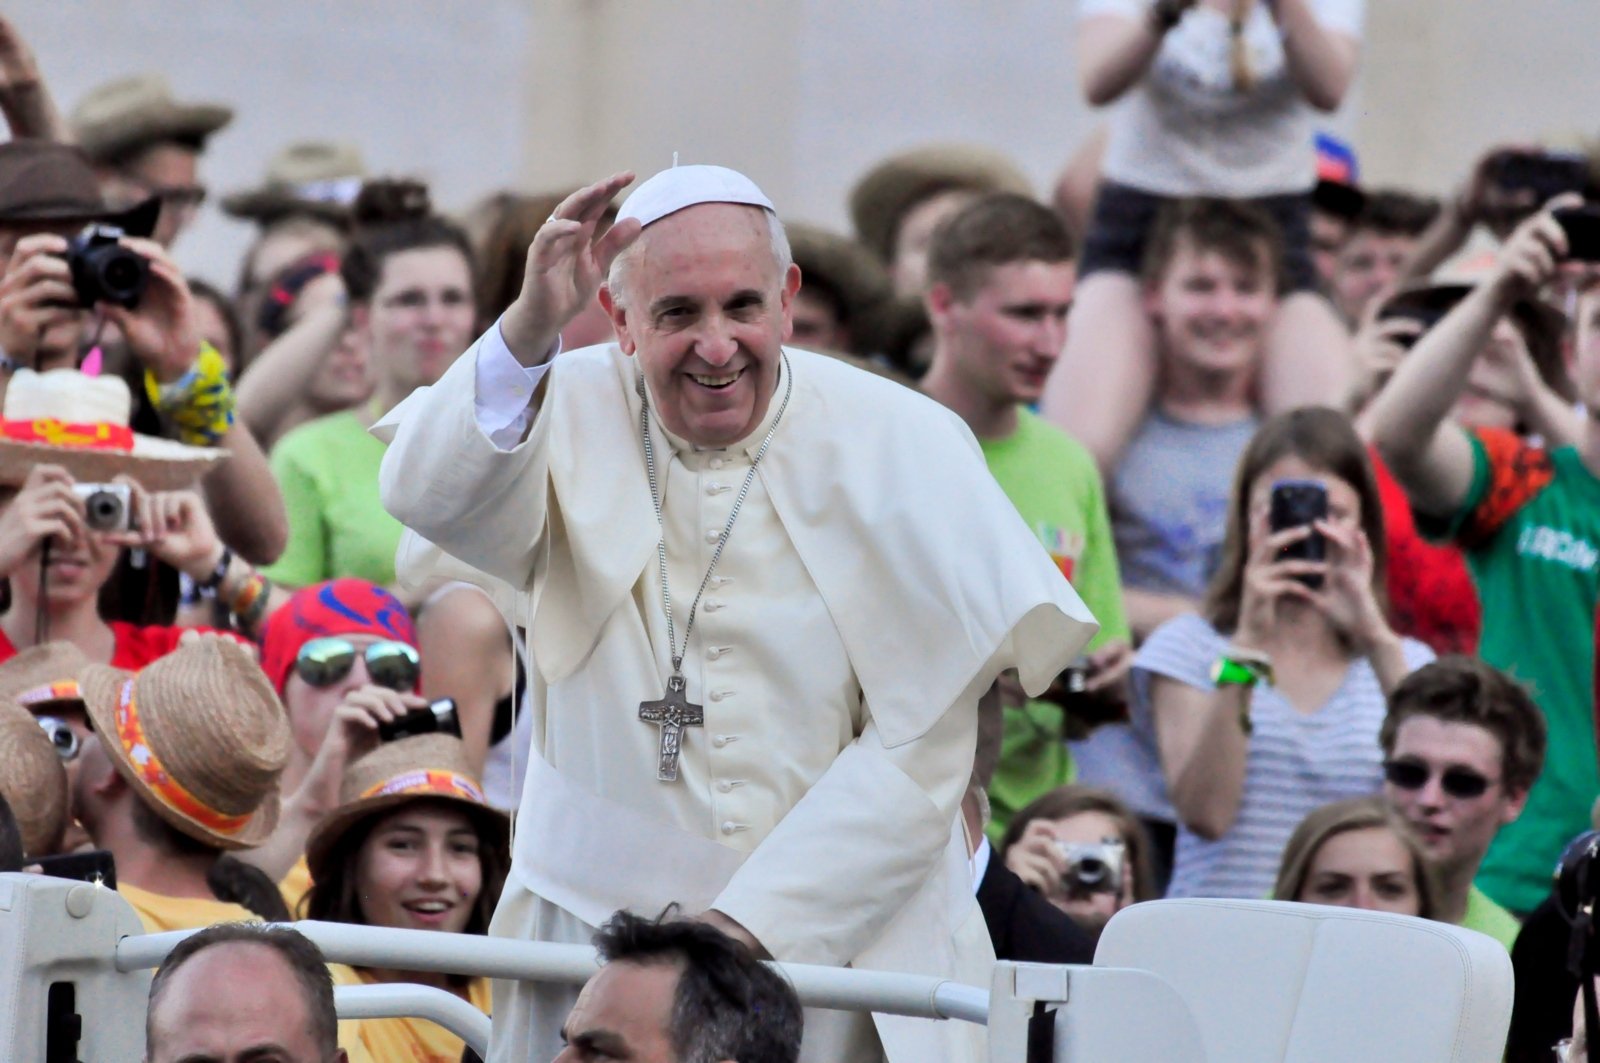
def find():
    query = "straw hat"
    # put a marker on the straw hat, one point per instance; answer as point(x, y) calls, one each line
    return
point(43, 677)
point(317, 177)
point(430, 766)
point(129, 113)
point(888, 191)
point(199, 735)
point(841, 267)
point(32, 780)
point(67, 418)
point(41, 181)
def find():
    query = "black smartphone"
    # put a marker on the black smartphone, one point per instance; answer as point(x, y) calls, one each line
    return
point(1296, 503)
point(96, 865)
point(1546, 174)
point(1582, 226)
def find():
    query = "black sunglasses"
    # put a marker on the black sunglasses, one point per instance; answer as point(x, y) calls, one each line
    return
point(323, 662)
point(1462, 783)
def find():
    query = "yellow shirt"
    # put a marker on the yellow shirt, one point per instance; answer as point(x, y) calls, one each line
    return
point(159, 913)
point(294, 887)
point(401, 1040)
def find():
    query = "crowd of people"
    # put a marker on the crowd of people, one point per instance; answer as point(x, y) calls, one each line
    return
point(300, 604)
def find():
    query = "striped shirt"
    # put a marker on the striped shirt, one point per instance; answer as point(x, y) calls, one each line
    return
point(1297, 761)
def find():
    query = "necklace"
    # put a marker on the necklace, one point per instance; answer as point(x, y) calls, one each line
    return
point(674, 711)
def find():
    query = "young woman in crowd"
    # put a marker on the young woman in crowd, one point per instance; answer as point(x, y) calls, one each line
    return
point(408, 276)
point(1218, 98)
point(413, 846)
point(1078, 815)
point(1268, 704)
point(1357, 854)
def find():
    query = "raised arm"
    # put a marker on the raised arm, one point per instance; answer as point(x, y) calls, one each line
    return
point(1429, 455)
point(24, 97)
point(274, 383)
point(1114, 51)
point(1321, 61)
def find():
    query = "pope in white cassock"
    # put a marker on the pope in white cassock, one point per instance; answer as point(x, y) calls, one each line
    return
point(763, 593)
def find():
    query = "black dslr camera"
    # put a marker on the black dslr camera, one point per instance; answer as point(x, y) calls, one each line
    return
point(103, 271)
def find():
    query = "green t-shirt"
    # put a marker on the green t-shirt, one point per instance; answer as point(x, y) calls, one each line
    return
point(1054, 484)
point(1487, 917)
point(328, 472)
point(1530, 529)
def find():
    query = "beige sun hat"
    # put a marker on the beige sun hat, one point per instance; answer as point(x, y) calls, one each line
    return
point(80, 422)
point(423, 767)
point(32, 780)
point(199, 735)
point(43, 677)
point(317, 177)
point(121, 116)
point(841, 267)
point(887, 192)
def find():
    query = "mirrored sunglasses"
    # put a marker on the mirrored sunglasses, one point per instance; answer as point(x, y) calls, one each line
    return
point(1462, 783)
point(324, 662)
point(62, 737)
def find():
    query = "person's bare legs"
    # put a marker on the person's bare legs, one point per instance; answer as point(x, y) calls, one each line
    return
point(1310, 360)
point(1104, 380)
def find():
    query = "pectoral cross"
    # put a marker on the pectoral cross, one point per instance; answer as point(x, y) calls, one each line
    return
point(672, 714)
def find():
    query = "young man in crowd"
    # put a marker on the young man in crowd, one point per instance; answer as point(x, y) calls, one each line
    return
point(240, 992)
point(1372, 258)
point(1527, 517)
point(1462, 746)
point(675, 990)
point(1211, 279)
point(1000, 280)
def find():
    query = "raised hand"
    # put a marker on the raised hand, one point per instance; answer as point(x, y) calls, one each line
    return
point(45, 507)
point(1532, 255)
point(1270, 580)
point(161, 330)
point(1346, 596)
point(38, 307)
point(566, 266)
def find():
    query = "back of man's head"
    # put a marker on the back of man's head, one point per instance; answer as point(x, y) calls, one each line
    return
point(994, 230)
point(1244, 234)
point(1458, 689)
point(1391, 212)
point(727, 1006)
point(237, 988)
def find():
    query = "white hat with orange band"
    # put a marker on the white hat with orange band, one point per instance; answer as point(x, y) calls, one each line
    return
point(199, 735)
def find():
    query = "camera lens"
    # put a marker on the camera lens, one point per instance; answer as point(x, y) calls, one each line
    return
point(103, 511)
point(1091, 871)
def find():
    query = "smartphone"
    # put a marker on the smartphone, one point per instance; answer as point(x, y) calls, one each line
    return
point(1296, 503)
point(96, 865)
point(1546, 174)
point(1426, 316)
point(1582, 226)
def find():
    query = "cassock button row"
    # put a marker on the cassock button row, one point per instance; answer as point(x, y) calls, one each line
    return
point(713, 604)
point(713, 534)
point(725, 786)
point(717, 463)
point(714, 652)
point(721, 740)
point(718, 695)
point(717, 488)
point(730, 827)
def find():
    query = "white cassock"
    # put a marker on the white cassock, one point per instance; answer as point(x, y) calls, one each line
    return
point(874, 584)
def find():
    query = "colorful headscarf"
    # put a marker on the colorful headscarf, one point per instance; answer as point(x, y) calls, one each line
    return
point(338, 607)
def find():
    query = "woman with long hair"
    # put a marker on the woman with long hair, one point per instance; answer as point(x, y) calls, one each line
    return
point(1268, 704)
point(1357, 854)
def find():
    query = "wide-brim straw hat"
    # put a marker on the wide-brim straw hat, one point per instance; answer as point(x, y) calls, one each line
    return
point(54, 184)
point(430, 767)
point(32, 780)
point(841, 267)
point(65, 417)
point(884, 195)
point(199, 735)
point(119, 117)
point(41, 678)
point(317, 177)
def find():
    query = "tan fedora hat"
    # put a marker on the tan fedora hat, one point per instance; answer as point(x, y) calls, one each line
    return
point(885, 193)
point(32, 780)
point(842, 268)
point(199, 735)
point(42, 677)
point(65, 417)
point(424, 767)
point(317, 177)
point(122, 116)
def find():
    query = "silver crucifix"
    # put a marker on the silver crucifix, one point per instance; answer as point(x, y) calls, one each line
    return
point(672, 714)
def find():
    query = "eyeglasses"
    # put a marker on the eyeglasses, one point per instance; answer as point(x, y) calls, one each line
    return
point(1462, 783)
point(62, 737)
point(175, 195)
point(323, 662)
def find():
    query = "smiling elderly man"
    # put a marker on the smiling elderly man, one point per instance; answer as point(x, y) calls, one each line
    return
point(764, 592)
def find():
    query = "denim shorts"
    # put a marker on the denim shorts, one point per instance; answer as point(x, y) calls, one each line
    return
point(1123, 217)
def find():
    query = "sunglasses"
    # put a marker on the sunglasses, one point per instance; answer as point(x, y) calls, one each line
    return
point(324, 662)
point(1462, 783)
point(62, 737)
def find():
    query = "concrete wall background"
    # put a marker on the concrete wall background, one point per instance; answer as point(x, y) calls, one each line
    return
point(804, 94)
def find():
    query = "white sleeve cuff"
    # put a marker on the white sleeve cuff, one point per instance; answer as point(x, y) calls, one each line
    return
point(503, 397)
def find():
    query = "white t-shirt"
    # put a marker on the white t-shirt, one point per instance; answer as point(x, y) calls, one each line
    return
point(1184, 130)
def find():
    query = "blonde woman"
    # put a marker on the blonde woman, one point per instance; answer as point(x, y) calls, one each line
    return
point(1357, 854)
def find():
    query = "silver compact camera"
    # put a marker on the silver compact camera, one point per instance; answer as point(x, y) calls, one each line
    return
point(1093, 868)
point(106, 507)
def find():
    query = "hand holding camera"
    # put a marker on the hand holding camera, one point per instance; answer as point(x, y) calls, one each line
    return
point(159, 326)
point(46, 508)
point(39, 312)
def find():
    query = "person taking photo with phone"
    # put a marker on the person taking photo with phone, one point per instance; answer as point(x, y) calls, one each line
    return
point(1527, 516)
point(1268, 703)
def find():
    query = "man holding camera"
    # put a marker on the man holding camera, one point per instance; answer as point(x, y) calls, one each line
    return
point(1527, 517)
point(53, 317)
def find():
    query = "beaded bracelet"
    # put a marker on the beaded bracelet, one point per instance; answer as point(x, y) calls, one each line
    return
point(200, 403)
